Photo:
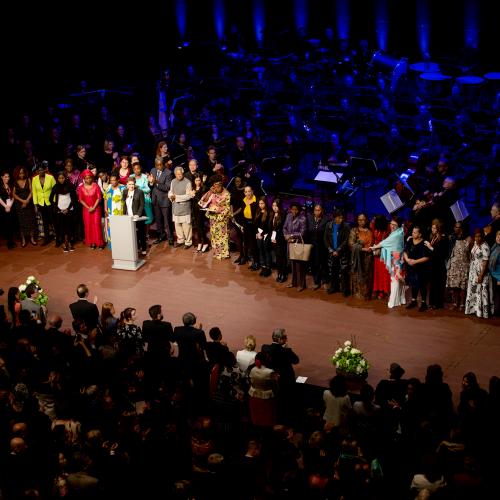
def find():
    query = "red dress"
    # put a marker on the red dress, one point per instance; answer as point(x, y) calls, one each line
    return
point(91, 220)
point(381, 276)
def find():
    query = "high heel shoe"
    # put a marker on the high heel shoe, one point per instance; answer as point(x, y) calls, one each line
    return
point(205, 248)
point(24, 243)
point(198, 249)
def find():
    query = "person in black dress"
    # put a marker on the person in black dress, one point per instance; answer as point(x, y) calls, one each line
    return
point(316, 224)
point(199, 217)
point(64, 200)
point(439, 247)
point(278, 242)
point(23, 203)
point(7, 216)
point(417, 257)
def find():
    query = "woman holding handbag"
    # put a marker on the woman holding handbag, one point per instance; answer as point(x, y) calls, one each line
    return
point(294, 231)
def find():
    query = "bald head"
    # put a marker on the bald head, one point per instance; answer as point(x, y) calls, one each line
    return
point(54, 321)
point(17, 445)
point(20, 429)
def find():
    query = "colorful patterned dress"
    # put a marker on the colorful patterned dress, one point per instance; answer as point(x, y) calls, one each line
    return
point(361, 263)
point(458, 265)
point(113, 198)
point(219, 213)
point(479, 301)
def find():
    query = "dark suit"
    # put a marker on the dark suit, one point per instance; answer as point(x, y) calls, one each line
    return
point(161, 203)
point(158, 335)
point(192, 351)
point(86, 311)
point(282, 360)
point(319, 255)
point(339, 264)
point(137, 209)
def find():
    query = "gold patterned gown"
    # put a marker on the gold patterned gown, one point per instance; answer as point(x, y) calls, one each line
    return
point(219, 213)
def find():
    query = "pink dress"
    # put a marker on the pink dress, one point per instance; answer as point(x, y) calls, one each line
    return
point(91, 220)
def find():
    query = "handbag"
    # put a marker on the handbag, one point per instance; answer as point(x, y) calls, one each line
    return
point(299, 250)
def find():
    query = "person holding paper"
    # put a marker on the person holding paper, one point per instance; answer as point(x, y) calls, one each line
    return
point(262, 225)
point(181, 194)
point(316, 225)
point(294, 230)
point(392, 255)
point(63, 199)
point(133, 199)
point(217, 201)
point(278, 241)
point(199, 218)
point(6, 210)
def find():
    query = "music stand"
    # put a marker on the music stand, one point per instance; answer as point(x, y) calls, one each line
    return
point(363, 167)
point(391, 201)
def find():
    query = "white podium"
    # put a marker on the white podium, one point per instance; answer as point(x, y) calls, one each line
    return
point(124, 242)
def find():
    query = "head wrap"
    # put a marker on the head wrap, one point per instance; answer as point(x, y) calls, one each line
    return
point(87, 172)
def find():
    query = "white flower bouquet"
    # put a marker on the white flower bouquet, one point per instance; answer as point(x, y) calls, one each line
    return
point(349, 360)
point(42, 298)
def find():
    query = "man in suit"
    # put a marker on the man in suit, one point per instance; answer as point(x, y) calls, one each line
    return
point(29, 304)
point(84, 309)
point(159, 180)
point(157, 335)
point(337, 242)
point(192, 344)
point(316, 224)
point(282, 358)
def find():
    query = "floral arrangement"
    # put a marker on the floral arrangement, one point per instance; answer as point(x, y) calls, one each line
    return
point(350, 360)
point(42, 298)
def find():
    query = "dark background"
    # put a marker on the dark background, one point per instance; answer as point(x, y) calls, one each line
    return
point(47, 47)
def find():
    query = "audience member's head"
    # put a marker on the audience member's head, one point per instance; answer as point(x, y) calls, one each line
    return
point(189, 319)
point(279, 336)
point(82, 291)
point(215, 334)
point(250, 343)
point(155, 312)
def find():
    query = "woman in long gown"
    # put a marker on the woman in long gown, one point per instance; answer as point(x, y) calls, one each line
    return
point(381, 276)
point(478, 300)
point(113, 202)
point(458, 264)
point(23, 202)
point(217, 201)
point(360, 241)
point(392, 256)
point(89, 195)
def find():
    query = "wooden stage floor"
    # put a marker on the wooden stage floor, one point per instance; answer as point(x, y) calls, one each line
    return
point(241, 303)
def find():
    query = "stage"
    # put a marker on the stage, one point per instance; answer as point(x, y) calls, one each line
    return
point(240, 302)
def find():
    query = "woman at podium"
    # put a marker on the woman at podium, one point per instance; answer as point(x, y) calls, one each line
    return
point(133, 199)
